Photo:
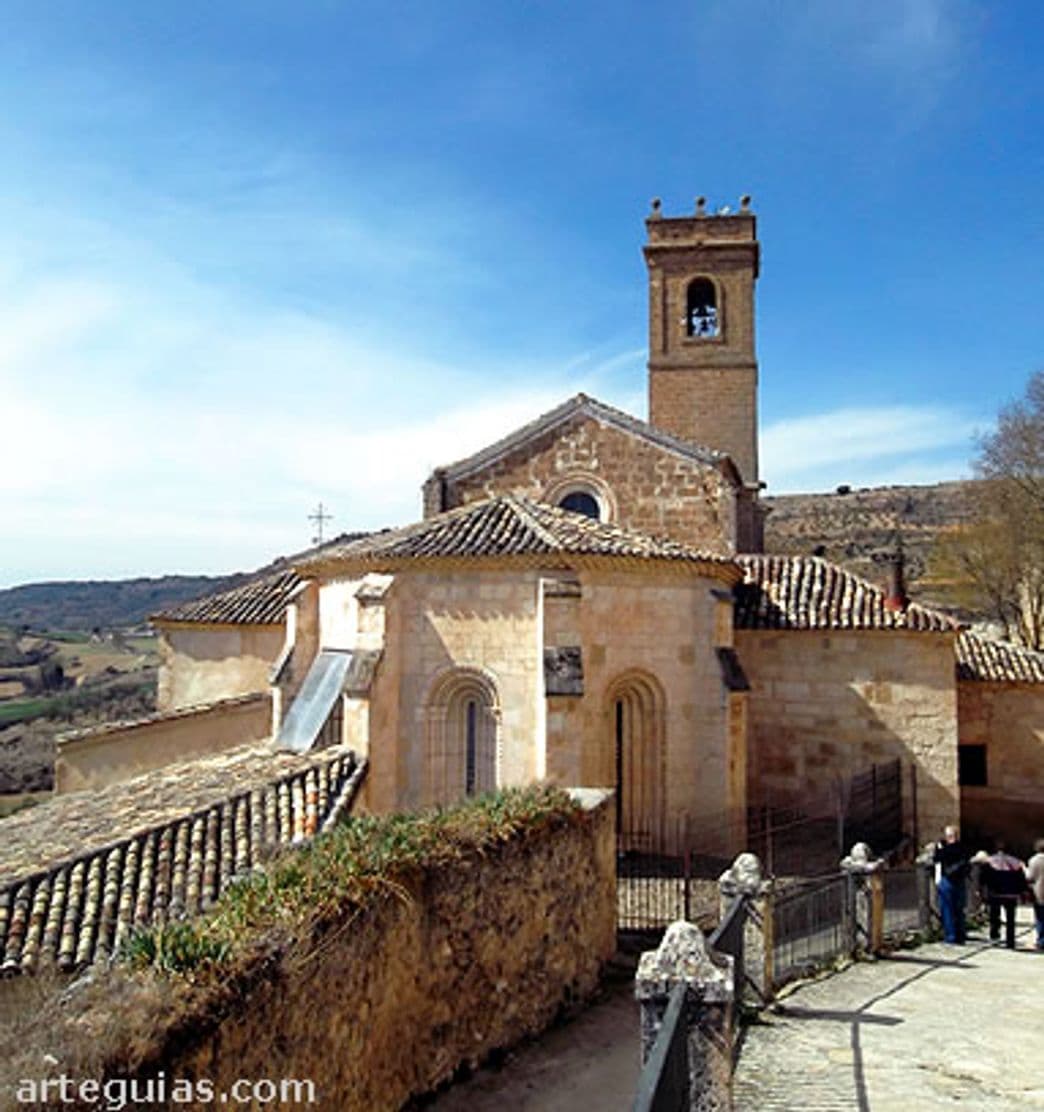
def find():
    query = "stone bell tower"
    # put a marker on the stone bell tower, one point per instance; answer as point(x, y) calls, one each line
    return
point(703, 373)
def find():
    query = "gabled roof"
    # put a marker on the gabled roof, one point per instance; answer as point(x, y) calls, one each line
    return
point(806, 592)
point(81, 871)
point(577, 408)
point(510, 528)
point(979, 658)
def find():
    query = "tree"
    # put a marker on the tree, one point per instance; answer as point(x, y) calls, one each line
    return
point(997, 560)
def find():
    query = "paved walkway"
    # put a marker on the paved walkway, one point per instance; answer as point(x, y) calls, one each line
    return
point(923, 1029)
point(587, 1065)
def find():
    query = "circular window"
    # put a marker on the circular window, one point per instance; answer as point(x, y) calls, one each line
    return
point(580, 502)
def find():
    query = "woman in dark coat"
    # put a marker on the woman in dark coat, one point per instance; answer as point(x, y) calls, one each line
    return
point(1003, 878)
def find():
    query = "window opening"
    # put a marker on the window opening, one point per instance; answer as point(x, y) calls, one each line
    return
point(701, 311)
point(471, 747)
point(971, 766)
point(580, 502)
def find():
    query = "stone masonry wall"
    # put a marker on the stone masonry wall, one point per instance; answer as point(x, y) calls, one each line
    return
point(110, 753)
point(712, 406)
point(1008, 718)
point(652, 490)
point(472, 957)
point(825, 704)
point(206, 663)
point(441, 621)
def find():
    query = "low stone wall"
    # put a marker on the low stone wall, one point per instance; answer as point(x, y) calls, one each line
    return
point(465, 959)
point(107, 754)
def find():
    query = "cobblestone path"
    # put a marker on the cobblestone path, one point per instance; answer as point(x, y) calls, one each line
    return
point(923, 1029)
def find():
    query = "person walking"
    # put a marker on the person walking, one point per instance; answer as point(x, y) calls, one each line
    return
point(1004, 878)
point(951, 876)
point(1035, 877)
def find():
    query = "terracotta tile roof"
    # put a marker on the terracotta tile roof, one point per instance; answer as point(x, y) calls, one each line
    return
point(577, 408)
point(81, 871)
point(979, 658)
point(261, 601)
point(806, 592)
point(508, 526)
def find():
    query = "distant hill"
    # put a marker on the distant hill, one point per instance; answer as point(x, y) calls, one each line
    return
point(123, 603)
point(850, 527)
point(105, 604)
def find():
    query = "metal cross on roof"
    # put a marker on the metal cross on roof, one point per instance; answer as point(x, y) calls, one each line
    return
point(320, 517)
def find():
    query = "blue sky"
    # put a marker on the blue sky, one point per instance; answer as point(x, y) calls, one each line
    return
point(262, 254)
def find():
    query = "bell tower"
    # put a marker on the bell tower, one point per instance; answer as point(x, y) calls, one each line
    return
point(703, 373)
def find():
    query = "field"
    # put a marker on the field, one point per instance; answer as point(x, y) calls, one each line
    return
point(60, 681)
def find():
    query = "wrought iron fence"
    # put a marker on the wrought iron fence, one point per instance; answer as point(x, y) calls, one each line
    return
point(668, 869)
point(812, 925)
point(873, 807)
point(904, 898)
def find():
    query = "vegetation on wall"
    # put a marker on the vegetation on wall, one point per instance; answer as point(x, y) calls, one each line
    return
point(171, 981)
point(355, 863)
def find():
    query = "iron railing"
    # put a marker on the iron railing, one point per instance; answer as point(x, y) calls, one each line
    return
point(668, 870)
point(812, 925)
point(904, 900)
point(664, 1080)
point(663, 1085)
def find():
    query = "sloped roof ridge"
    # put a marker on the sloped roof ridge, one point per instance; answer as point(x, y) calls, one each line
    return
point(808, 592)
point(580, 403)
point(525, 509)
point(990, 659)
point(509, 525)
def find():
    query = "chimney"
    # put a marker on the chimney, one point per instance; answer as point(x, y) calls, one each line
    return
point(896, 598)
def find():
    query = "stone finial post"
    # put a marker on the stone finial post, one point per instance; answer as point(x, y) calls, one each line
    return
point(927, 912)
point(744, 877)
point(684, 957)
point(865, 898)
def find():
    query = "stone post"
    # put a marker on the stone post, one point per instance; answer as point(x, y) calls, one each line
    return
point(683, 956)
point(925, 866)
point(866, 897)
point(744, 877)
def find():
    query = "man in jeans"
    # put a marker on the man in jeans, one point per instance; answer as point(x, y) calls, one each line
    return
point(1035, 876)
point(951, 875)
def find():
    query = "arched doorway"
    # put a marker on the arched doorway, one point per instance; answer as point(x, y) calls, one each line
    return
point(636, 725)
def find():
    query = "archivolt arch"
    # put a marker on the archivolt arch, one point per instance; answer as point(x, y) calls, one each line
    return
point(583, 482)
point(462, 735)
point(636, 712)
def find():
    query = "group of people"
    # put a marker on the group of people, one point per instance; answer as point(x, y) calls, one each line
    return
point(1005, 880)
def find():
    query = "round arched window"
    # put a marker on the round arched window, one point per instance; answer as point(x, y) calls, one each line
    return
point(701, 310)
point(580, 502)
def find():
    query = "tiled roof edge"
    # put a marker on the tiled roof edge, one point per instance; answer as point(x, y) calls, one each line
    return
point(160, 716)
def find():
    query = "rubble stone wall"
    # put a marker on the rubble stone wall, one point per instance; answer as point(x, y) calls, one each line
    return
point(468, 958)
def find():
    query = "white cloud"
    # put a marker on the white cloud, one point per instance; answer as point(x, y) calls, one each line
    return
point(865, 447)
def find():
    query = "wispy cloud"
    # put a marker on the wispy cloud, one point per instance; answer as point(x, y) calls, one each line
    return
point(865, 447)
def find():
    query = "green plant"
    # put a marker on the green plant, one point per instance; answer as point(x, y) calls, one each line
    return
point(178, 947)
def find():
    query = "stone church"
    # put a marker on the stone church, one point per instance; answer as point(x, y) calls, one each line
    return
point(586, 601)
